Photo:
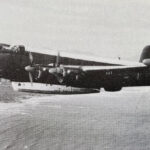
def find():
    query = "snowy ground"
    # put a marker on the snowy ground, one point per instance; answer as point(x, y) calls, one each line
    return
point(105, 121)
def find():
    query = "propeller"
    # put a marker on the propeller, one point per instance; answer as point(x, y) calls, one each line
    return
point(30, 68)
point(58, 71)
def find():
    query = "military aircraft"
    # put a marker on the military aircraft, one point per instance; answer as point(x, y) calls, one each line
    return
point(20, 65)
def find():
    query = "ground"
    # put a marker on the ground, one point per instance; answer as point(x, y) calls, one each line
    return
point(104, 121)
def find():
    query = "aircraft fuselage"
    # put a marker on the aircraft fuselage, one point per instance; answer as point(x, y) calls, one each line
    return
point(13, 63)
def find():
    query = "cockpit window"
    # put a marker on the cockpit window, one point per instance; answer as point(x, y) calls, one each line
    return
point(18, 49)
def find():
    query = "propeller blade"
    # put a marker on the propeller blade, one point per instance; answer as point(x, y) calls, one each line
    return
point(59, 78)
point(31, 57)
point(39, 74)
point(30, 78)
point(58, 60)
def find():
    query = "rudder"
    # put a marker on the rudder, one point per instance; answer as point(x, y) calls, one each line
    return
point(145, 54)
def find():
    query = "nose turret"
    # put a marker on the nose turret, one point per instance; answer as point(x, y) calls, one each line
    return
point(11, 61)
point(5, 60)
point(4, 64)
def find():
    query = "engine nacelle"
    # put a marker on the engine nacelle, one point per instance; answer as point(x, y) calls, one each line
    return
point(113, 85)
point(146, 62)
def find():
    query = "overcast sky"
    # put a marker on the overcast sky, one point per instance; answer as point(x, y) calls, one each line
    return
point(107, 28)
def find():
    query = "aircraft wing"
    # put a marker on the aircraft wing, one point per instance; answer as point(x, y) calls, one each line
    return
point(92, 76)
point(111, 68)
point(108, 76)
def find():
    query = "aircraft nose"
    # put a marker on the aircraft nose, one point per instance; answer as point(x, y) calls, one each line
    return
point(4, 62)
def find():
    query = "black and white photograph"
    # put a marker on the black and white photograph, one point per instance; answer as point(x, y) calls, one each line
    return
point(74, 75)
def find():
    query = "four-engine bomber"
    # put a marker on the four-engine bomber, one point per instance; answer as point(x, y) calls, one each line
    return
point(21, 65)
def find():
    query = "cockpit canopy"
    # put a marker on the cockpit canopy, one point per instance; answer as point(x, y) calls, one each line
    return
point(12, 49)
point(18, 49)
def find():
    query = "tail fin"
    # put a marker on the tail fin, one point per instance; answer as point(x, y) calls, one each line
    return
point(145, 54)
